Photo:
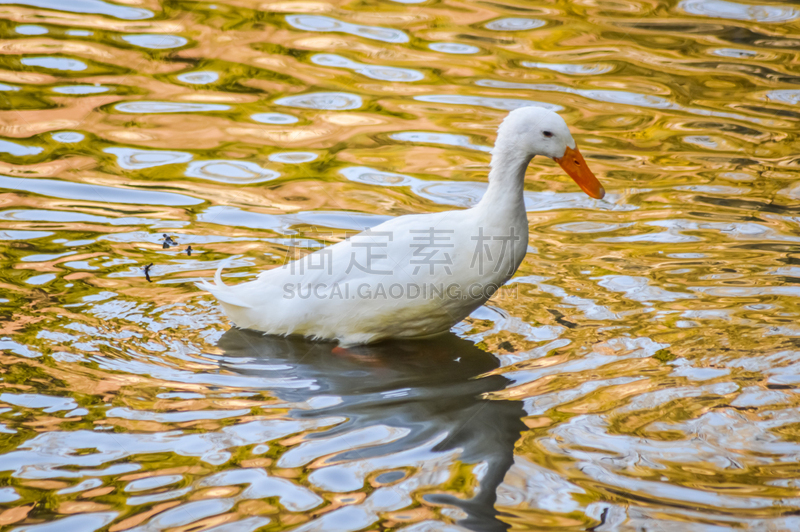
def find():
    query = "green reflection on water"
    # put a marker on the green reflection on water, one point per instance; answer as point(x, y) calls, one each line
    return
point(640, 371)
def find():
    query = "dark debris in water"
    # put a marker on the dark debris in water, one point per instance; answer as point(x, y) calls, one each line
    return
point(169, 241)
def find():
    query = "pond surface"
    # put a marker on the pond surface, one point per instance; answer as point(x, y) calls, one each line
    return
point(640, 372)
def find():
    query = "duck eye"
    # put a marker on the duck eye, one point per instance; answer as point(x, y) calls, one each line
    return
point(548, 133)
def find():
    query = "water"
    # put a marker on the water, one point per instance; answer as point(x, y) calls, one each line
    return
point(639, 373)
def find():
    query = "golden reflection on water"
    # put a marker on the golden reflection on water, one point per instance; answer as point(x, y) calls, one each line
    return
point(640, 372)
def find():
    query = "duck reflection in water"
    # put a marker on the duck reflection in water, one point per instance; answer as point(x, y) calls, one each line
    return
point(414, 408)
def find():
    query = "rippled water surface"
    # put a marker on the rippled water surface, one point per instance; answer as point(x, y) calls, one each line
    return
point(641, 372)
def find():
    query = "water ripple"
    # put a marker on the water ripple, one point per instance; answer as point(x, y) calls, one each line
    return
point(457, 194)
point(274, 118)
point(446, 139)
point(515, 24)
point(739, 11)
point(199, 77)
point(154, 41)
point(133, 159)
point(618, 97)
point(168, 107)
point(55, 63)
point(98, 7)
point(296, 157)
point(30, 29)
point(333, 101)
point(68, 137)
point(328, 24)
point(80, 89)
point(370, 176)
point(18, 150)
point(573, 70)
point(504, 104)
point(243, 172)
point(150, 483)
point(788, 96)
point(639, 372)
point(384, 73)
point(81, 191)
point(734, 53)
point(453, 48)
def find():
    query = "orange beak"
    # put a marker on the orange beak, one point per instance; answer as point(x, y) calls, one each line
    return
point(573, 164)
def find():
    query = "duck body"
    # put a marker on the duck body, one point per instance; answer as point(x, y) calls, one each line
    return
point(404, 292)
point(412, 276)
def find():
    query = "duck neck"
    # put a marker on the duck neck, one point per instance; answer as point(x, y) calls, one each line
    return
point(506, 182)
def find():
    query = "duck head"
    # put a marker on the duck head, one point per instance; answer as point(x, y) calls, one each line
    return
point(532, 131)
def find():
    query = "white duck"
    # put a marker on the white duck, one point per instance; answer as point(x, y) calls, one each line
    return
point(415, 275)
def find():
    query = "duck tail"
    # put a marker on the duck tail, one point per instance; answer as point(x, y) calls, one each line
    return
point(224, 293)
